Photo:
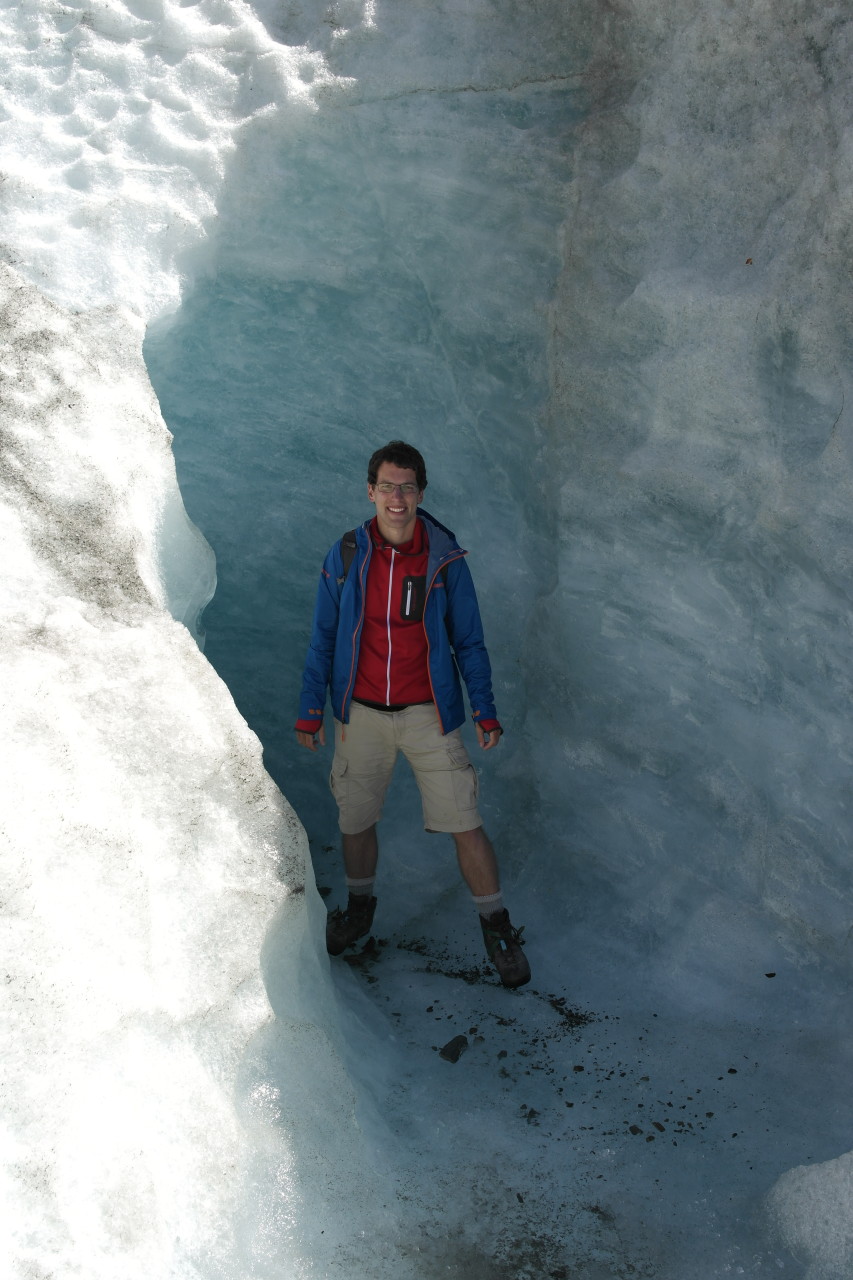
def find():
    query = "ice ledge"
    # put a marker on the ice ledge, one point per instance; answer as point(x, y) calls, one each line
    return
point(810, 1206)
point(93, 509)
point(144, 851)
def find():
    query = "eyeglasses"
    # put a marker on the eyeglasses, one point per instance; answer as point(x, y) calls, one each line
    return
point(406, 490)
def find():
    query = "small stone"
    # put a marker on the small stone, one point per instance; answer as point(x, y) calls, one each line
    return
point(453, 1050)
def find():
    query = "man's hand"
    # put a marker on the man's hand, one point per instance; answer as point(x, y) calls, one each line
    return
point(488, 740)
point(310, 740)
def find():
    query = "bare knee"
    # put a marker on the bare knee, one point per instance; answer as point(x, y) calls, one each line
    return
point(472, 842)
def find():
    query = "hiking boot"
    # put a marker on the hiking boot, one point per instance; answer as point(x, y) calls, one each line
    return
point(503, 945)
point(346, 927)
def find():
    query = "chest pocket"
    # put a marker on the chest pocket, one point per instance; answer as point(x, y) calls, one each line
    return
point(412, 599)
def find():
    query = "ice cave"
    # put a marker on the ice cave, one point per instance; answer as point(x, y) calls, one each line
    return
point(593, 258)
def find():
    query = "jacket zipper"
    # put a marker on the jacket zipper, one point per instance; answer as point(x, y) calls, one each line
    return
point(388, 629)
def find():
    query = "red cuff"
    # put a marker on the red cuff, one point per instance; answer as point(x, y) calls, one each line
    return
point(307, 726)
point(489, 726)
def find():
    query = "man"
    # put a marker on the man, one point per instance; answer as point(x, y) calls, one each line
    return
point(396, 621)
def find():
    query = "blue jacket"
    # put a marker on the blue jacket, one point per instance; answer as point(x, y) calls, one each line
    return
point(452, 624)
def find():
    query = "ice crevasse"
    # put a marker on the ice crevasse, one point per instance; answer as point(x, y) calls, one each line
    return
point(161, 1117)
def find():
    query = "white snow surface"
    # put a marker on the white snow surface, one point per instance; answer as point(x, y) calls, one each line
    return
point(117, 119)
point(189, 1089)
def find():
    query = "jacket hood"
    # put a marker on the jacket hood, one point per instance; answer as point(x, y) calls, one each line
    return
point(440, 536)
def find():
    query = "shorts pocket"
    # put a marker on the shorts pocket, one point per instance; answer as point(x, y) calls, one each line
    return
point(466, 788)
point(457, 757)
point(338, 780)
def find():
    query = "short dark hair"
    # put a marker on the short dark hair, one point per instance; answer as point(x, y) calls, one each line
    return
point(399, 454)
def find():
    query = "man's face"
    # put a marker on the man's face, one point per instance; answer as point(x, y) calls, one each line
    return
point(397, 498)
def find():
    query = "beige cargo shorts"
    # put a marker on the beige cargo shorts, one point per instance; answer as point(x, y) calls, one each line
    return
point(366, 750)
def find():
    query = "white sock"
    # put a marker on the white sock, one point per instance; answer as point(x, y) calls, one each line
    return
point(361, 888)
point(490, 904)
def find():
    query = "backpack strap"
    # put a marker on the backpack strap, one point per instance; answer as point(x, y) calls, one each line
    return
point(349, 546)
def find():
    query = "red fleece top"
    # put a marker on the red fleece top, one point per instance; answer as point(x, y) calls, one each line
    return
point(393, 656)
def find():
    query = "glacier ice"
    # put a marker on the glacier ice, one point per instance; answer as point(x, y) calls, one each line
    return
point(601, 251)
point(146, 855)
point(812, 1208)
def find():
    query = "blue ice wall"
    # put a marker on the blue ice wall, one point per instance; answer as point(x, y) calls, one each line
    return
point(699, 639)
point(596, 274)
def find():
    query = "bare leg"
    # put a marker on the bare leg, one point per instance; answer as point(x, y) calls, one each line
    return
point(361, 854)
point(477, 862)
